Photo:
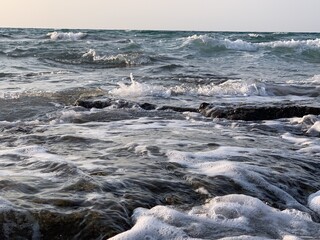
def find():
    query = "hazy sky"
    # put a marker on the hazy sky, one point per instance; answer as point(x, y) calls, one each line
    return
point(212, 15)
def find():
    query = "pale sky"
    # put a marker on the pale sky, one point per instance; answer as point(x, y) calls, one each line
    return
point(210, 15)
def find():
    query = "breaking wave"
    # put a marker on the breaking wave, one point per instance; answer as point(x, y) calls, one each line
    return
point(69, 36)
point(209, 42)
point(242, 45)
point(229, 88)
point(122, 59)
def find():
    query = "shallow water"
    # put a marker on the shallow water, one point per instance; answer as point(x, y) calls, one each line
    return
point(68, 172)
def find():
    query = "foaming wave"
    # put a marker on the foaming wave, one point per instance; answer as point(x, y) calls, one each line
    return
point(241, 45)
point(205, 40)
point(136, 89)
point(228, 88)
point(256, 35)
point(234, 88)
point(71, 36)
point(310, 125)
point(10, 95)
point(314, 202)
point(315, 79)
point(232, 216)
point(298, 44)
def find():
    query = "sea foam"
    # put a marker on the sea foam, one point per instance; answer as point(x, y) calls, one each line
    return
point(235, 216)
point(314, 202)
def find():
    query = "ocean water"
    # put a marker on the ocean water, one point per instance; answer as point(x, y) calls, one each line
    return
point(124, 172)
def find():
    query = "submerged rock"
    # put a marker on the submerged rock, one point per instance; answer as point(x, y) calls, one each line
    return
point(250, 113)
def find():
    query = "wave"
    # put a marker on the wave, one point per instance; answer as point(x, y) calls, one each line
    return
point(136, 89)
point(297, 44)
point(209, 42)
point(122, 59)
point(242, 45)
point(70, 36)
point(92, 59)
point(313, 81)
point(228, 88)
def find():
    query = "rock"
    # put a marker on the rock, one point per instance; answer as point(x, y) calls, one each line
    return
point(246, 113)
point(120, 103)
point(250, 113)
point(178, 109)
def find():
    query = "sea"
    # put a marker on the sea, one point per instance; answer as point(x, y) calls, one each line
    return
point(126, 172)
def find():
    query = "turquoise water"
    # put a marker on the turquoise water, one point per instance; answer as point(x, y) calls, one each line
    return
point(68, 172)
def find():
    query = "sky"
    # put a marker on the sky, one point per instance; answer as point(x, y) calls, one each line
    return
point(200, 15)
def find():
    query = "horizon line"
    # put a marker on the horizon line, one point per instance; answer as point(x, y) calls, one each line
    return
point(156, 30)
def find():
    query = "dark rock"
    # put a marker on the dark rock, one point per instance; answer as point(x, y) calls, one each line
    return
point(94, 104)
point(178, 109)
point(148, 106)
point(250, 113)
point(120, 103)
point(104, 102)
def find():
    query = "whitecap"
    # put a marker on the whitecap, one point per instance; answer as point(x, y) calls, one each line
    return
point(121, 59)
point(314, 130)
point(205, 40)
point(240, 45)
point(298, 44)
point(71, 36)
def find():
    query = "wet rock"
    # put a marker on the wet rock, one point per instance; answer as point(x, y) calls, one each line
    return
point(178, 109)
point(120, 103)
point(250, 113)
point(103, 103)
point(246, 113)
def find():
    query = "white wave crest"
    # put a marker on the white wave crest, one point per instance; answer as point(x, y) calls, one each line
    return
point(238, 44)
point(314, 202)
point(121, 59)
point(136, 89)
point(255, 35)
point(71, 36)
point(241, 45)
point(315, 79)
point(228, 88)
point(298, 44)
